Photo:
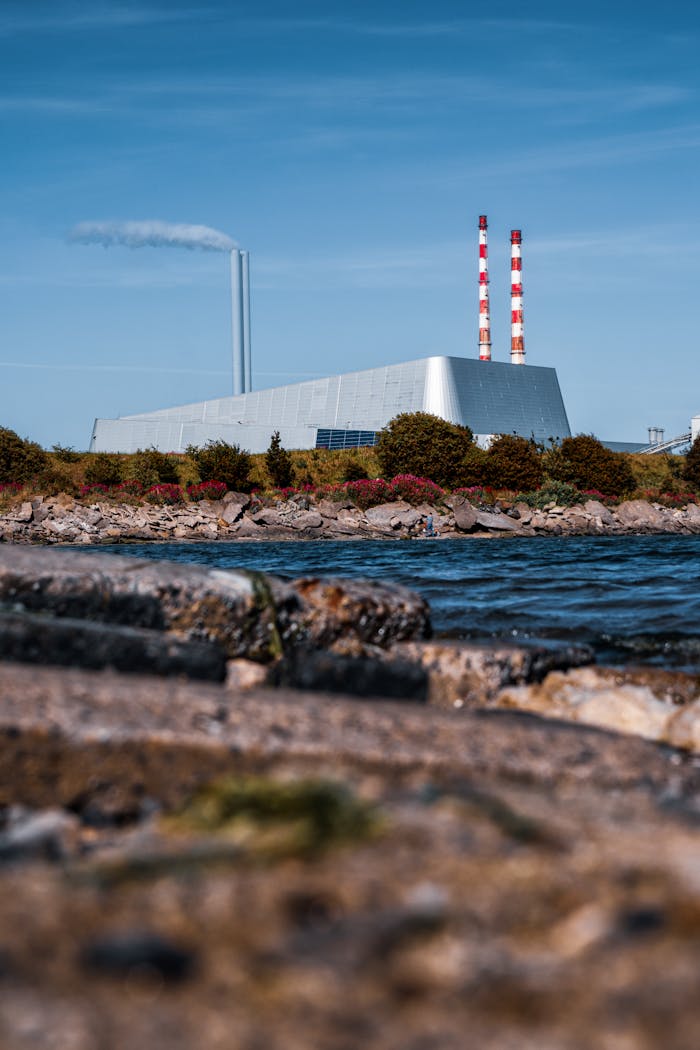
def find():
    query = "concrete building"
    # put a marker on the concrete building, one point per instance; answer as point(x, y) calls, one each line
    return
point(348, 410)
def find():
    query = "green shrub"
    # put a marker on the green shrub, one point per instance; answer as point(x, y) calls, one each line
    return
point(152, 467)
point(54, 478)
point(586, 463)
point(219, 461)
point(691, 470)
point(559, 492)
point(424, 445)
point(20, 459)
point(66, 454)
point(354, 470)
point(513, 462)
point(472, 469)
point(103, 469)
point(279, 463)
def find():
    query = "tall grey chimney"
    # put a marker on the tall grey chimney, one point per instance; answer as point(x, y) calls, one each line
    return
point(247, 360)
point(237, 328)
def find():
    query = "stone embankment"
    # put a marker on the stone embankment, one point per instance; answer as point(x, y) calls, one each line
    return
point(62, 519)
point(216, 831)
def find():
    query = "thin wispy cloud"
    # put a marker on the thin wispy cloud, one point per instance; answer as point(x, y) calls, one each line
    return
point(48, 366)
point(249, 99)
point(398, 29)
point(93, 17)
point(602, 152)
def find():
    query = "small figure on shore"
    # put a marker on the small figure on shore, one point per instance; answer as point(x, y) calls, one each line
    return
point(429, 527)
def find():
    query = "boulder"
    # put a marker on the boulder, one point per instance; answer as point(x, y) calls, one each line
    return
point(362, 676)
point(383, 515)
point(306, 519)
point(69, 642)
point(374, 612)
point(232, 511)
point(496, 522)
point(245, 614)
point(598, 510)
point(464, 515)
point(238, 499)
point(641, 702)
point(638, 514)
point(463, 675)
point(24, 513)
point(683, 728)
point(523, 512)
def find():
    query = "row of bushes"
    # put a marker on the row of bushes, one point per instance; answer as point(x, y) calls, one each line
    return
point(413, 444)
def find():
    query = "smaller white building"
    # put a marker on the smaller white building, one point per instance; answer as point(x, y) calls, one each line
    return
point(694, 428)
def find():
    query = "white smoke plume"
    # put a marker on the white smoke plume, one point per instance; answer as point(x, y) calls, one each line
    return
point(152, 234)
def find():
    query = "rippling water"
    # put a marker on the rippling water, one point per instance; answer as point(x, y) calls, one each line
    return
point(634, 599)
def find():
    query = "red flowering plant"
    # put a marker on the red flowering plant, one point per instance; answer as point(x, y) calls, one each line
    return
point(476, 493)
point(666, 499)
point(600, 497)
point(415, 490)
point(165, 494)
point(206, 490)
point(95, 491)
point(11, 487)
point(131, 489)
point(368, 492)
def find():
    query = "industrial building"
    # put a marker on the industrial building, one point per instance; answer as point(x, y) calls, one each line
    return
point(348, 410)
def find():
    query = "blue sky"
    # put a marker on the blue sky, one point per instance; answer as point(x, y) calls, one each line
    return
point(350, 147)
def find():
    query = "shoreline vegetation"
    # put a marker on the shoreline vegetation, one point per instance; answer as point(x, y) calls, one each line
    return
point(425, 476)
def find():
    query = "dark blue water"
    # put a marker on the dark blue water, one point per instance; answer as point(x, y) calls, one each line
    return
point(635, 599)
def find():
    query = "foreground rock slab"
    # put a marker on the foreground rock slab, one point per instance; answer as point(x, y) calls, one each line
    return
point(240, 614)
point(658, 705)
point(530, 883)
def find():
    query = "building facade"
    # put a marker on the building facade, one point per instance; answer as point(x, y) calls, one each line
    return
point(350, 409)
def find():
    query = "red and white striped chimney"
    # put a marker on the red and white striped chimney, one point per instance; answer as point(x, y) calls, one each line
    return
point(517, 344)
point(484, 315)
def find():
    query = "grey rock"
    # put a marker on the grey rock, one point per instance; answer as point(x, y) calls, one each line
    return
point(598, 510)
point(383, 514)
point(523, 512)
point(363, 676)
point(66, 642)
point(330, 508)
point(497, 522)
point(470, 675)
point(269, 517)
point(240, 499)
point(637, 513)
point(24, 513)
point(306, 519)
point(247, 614)
point(373, 612)
point(464, 515)
point(232, 511)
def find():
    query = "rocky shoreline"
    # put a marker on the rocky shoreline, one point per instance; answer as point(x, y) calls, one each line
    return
point(237, 810)
point(61, 519)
